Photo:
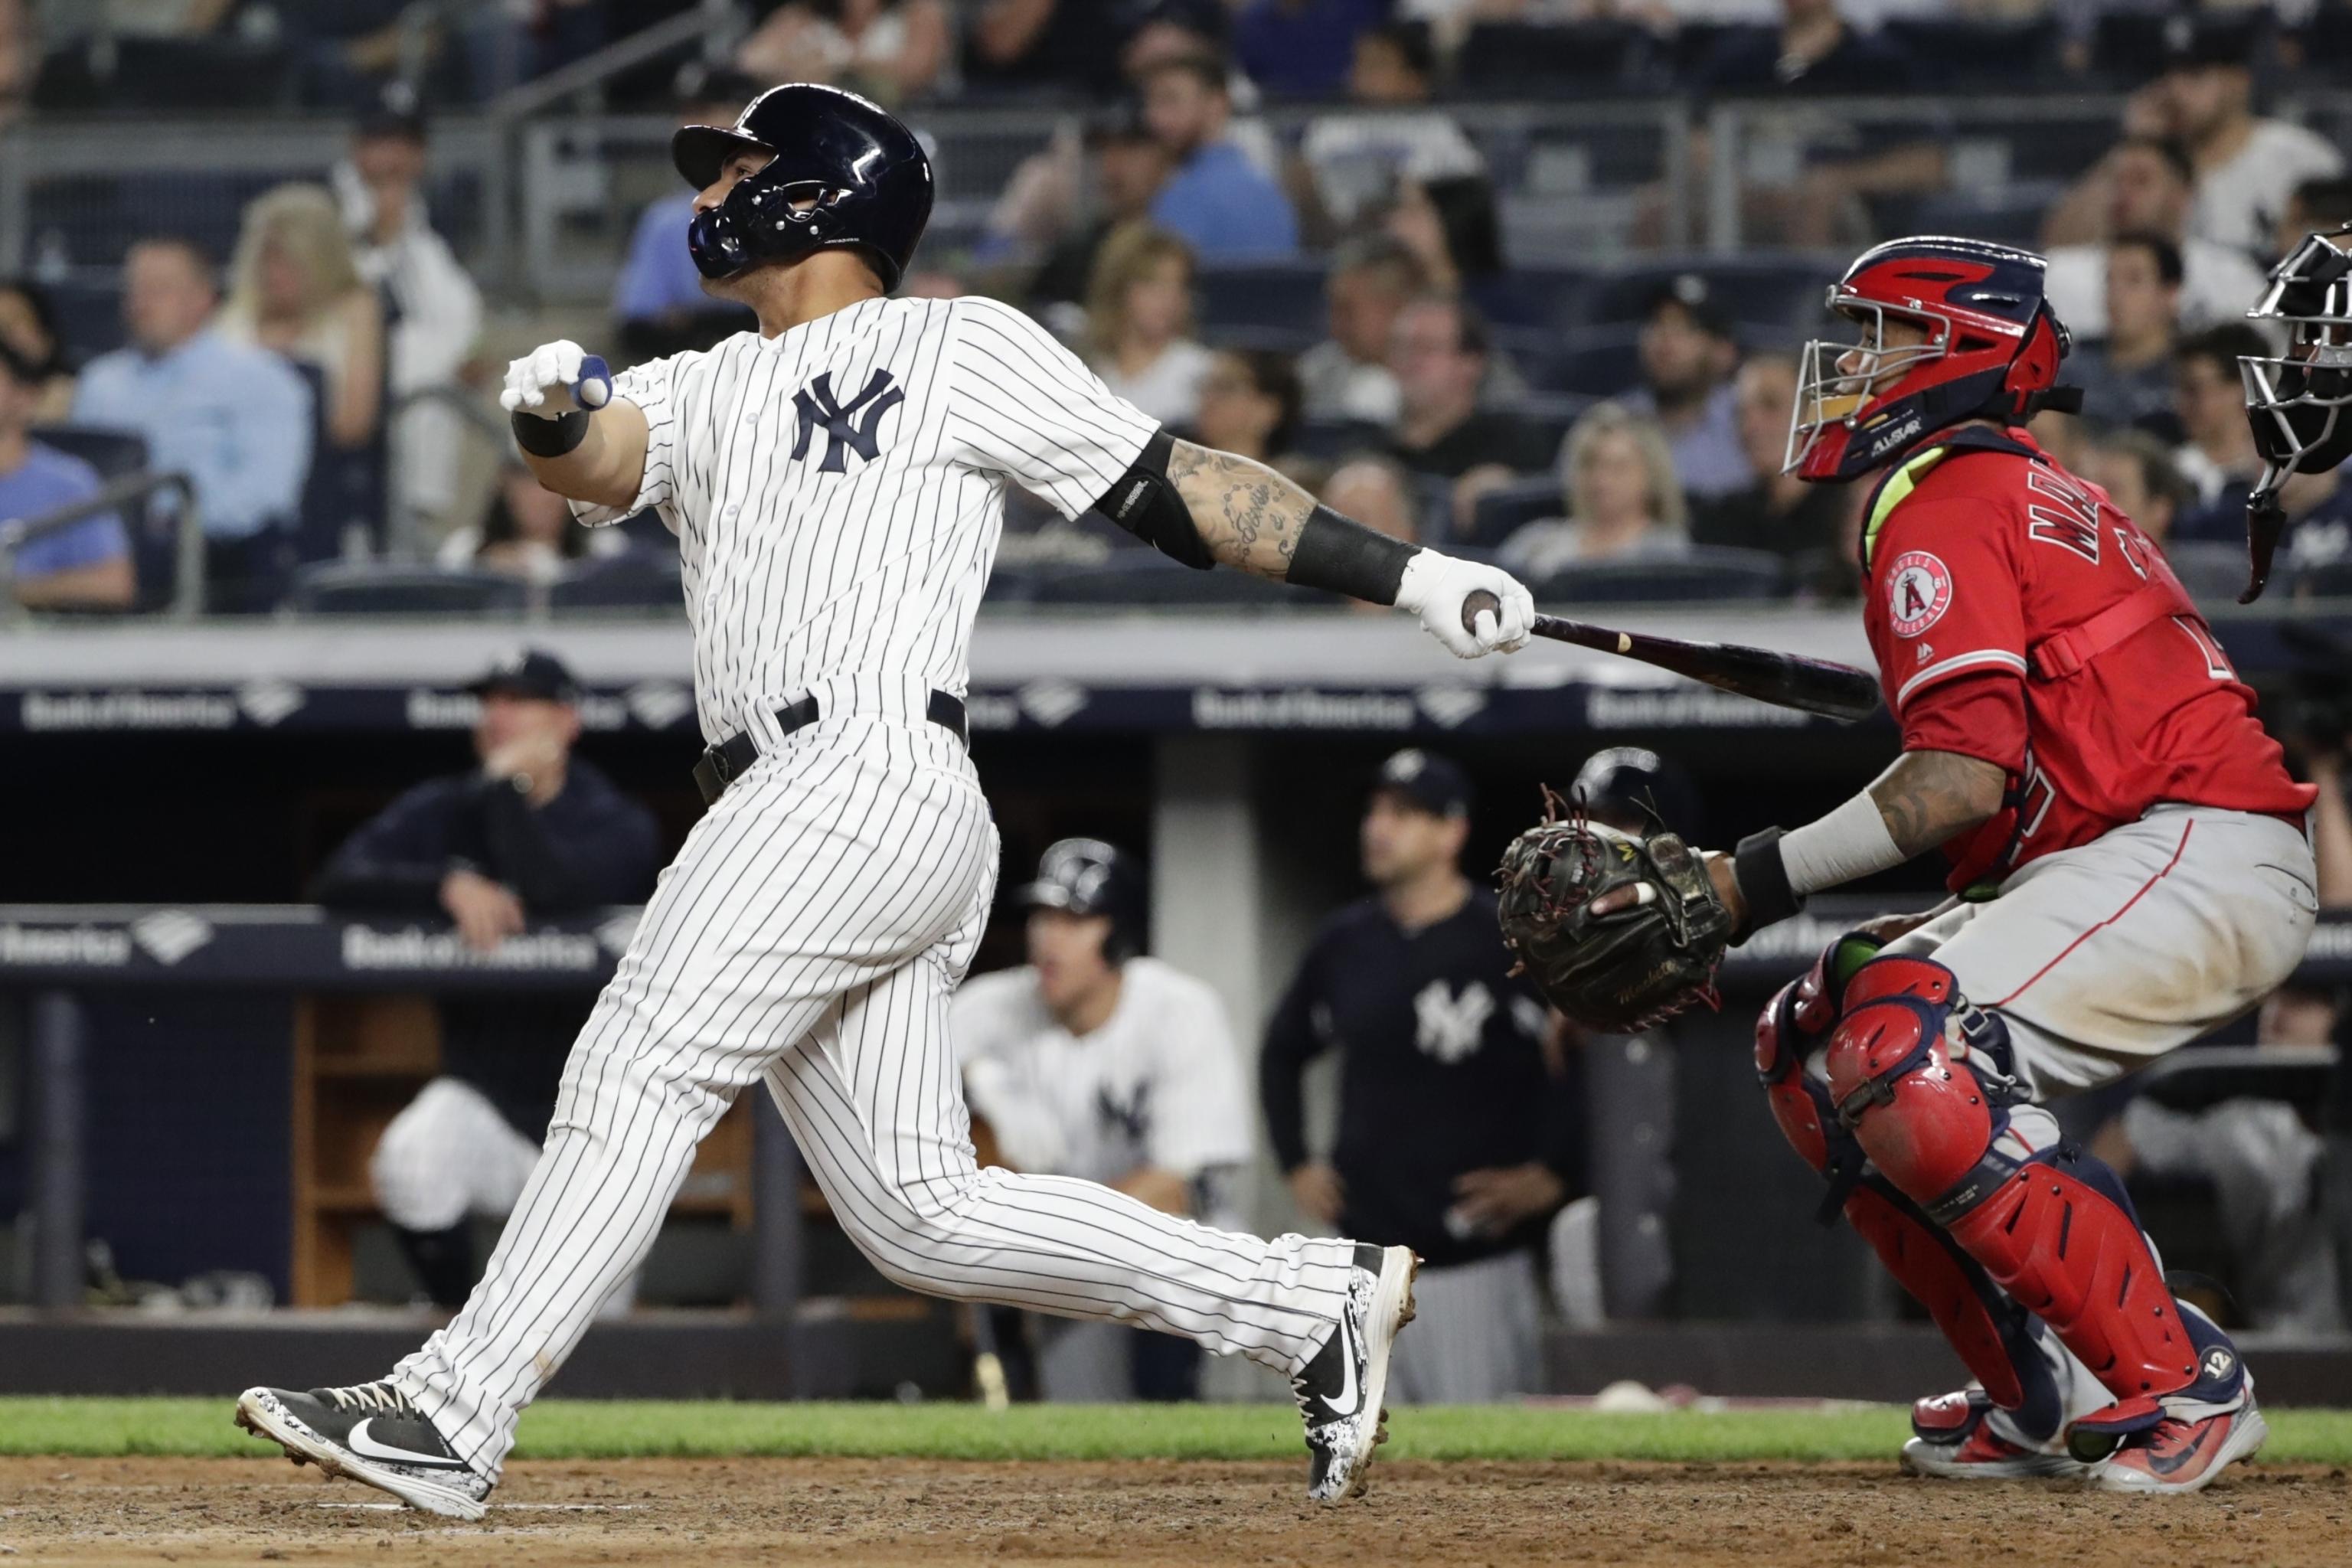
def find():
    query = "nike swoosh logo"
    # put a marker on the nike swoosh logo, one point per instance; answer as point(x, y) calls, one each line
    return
point(1351, 1397)
point(367, 1447)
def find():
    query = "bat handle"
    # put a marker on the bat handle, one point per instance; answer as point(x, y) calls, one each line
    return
point(594, 387)
point(1479, 602)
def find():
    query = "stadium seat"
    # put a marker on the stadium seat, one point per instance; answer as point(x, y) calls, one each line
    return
point(1331, 439)
point(1545, 60)
point(1149, 578)
point(1542, 297)
point(1504, 510)
point(1773, 291)
point(1706, 573)
point(89, 313)
point(1595, 362)
point(1285, 296)
point(1957, 55)
point(154, 541)
point(632, 580)
point(2330, 579)
point(336, 588)
point(2128, 45)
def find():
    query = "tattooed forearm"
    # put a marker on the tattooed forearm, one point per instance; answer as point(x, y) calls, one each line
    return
point(1248, 515)
point(1928, 796)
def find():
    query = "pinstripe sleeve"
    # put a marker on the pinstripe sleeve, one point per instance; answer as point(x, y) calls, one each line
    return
point(1021, 405)
point(652, 387)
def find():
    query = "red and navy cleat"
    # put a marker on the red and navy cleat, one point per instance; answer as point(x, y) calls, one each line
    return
point(1955, 1438)
point(2179, 1454)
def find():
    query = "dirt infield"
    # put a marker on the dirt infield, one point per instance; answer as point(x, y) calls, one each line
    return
point(707, 1514)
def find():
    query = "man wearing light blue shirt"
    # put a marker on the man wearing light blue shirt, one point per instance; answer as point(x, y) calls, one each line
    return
point(1216, 200)
point(236, 420)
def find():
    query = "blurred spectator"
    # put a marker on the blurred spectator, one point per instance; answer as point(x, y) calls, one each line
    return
point(1438, 353)
point(528, 533)
point(890, 50)
point(532, 832)
point(2318, 509)
point(657, 297)
point(1451, 227)
point(235, 418)
point(437, 311)
point(2247, 166)
point(87, 565)
point(1457, 1136)
point(2145, 185)
point(1345, 376)
point(1097, 1061)
point(295, 290)
point(2126, 375)
point(1124, 172)
point(1617, 486)
point(1778, 512)
point(1302, 49)
point(2217, 458)
point(2317, 204)
point(1215, 198)
point(20, 59)
point(28, 325)
point(1688, 354)
point(1348, 163)
point(1043, 43)
point(1249, 406)
point(1140, 323)
point(2137, 470)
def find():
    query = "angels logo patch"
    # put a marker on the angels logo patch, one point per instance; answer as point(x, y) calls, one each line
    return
point(1918, 592)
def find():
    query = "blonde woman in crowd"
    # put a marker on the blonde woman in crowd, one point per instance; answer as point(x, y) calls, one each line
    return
point(1140, 323)
point(1617, 482)
point(294, 288)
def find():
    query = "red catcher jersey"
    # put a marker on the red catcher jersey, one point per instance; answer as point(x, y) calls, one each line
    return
point(1988, 555)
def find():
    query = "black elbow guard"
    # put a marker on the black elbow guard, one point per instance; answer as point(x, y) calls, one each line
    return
point(1145, 503)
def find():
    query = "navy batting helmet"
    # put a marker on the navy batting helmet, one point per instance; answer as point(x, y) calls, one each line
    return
point(842, 171)
point(1089, 877)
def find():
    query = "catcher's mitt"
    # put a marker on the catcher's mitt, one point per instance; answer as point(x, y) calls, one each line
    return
point(1641, 957)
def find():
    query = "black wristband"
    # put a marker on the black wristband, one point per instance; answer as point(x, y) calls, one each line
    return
point(548, 437)
point(1342, 554)
point(1763, 879)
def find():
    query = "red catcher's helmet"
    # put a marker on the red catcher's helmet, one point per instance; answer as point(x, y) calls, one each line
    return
point(1992, 351)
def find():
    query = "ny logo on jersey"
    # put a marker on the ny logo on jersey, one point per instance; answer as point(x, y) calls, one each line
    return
point(850, 427)
point(1131, 1116)
point(1447, 1026)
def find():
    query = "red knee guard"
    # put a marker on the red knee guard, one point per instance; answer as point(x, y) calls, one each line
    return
point(2075, 1258)
point(2064, 1250)
point(1792, 1024)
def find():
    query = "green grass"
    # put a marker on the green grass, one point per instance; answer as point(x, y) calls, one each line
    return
point(595, 1429)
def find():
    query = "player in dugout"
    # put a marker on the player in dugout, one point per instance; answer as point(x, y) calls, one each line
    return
point(1459, 1135)
point(533, 831)
point(1095, 1060)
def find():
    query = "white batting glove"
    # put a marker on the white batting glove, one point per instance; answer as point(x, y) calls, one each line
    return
point(555, 379)
point(1434, 588)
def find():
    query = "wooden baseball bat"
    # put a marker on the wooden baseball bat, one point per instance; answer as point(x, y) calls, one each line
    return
point(1820, 686)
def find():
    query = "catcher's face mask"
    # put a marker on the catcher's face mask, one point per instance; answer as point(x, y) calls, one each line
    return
point(2296, 402)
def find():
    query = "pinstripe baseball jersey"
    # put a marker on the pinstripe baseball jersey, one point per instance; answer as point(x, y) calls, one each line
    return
point(838, 490)
point(1158, 1084)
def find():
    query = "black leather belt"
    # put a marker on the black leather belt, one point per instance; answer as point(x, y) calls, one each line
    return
point(725, 763)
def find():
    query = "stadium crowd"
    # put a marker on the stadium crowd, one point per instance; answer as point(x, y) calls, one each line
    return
point(1618, 437)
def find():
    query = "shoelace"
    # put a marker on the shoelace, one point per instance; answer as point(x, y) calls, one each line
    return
point(380, 1396)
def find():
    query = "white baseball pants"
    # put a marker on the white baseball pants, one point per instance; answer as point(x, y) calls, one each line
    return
point(808, 934)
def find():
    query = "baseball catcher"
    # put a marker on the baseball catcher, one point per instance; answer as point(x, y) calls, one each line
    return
point(2130, 866)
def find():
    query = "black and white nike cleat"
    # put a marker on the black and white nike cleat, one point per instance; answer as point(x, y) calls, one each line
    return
point(1340, 1390)
point(371, 1434)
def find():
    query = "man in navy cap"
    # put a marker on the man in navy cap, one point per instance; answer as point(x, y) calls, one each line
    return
point(533, 831)
point(1458, 1134)
point(1689, 350)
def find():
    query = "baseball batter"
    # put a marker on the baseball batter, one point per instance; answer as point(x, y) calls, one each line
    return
point(836, 483)
point(2131, 862)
